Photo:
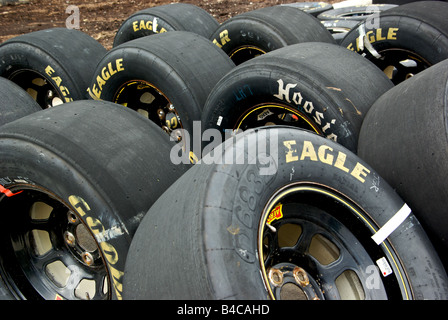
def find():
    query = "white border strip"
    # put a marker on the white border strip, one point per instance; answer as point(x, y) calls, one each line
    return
point(392, 224)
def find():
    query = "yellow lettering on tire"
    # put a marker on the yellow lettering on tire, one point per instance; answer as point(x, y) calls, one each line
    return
point(359, 172)
point(79, 204)
point(146, 25)
point(392, 34)
point(109, 251)
point(340, 161)
point(373, 36)
point(308, 151)
point(325, 154)
point(57, 80)
point(135, 26)
point(105, 74)
point(289, 153)
point(223, 38)
point(49, 70)
point(325, 157)
point(379, 36)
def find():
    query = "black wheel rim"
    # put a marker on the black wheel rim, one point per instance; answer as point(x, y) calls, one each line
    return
point(150, 102)
point(400, 65)
point(48, 252)
point(270, 114)
point(245, 53)
point(38, 87)
point(322, 252)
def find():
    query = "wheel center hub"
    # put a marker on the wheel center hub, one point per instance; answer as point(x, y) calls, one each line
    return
point(291, 282)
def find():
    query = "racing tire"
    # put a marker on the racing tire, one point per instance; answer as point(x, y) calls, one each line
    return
point(166, 77)
point(411, 154)
point(15, 102)
point(170, 17)
point(54, 66)
point(75, 182)
point(404, 40)
point(257, 32)
point(289, 231)
point(316, 86)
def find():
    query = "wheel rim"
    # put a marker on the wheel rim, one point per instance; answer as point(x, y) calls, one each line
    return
point(312, 254)
point(274, 114)
point(48, 252)
point(356, 14)
point(245, 53)
point(334, 30)
point(399, 64)
point(150, 102)
point(37, 86)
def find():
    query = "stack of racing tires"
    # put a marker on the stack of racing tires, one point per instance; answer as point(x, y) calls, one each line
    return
point(265, 157)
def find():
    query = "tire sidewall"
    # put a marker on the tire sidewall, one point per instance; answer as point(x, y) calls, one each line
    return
point(29, 166)
point(160, 75)
point(230, 100)
point(244, 31)
point(141, 25)
point(24, 57)
point(16, 102)
point(253, 191)
point(400, 32)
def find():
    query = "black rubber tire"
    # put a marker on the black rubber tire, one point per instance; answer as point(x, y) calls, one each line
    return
point(202, 242)
point(356, 13)
point(104, 163)
point(411, 153)
point(182, 66)
point(331, 88)
point(59, 60)
point(170, 17)
point(415, 33)
point(313, 8)
point(256, 32)
point(15, 102)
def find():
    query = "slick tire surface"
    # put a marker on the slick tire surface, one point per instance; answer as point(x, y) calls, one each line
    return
point(327, 86)
point(263, 30)
point(53, 63)
point(220, 209)
point(15, 102)
point(87, 164)
point(408, 144)
point(170, 17)
point(407, 39)
point(177, 69)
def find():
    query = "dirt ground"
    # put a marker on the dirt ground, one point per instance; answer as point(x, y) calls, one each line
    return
point(102, 18)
